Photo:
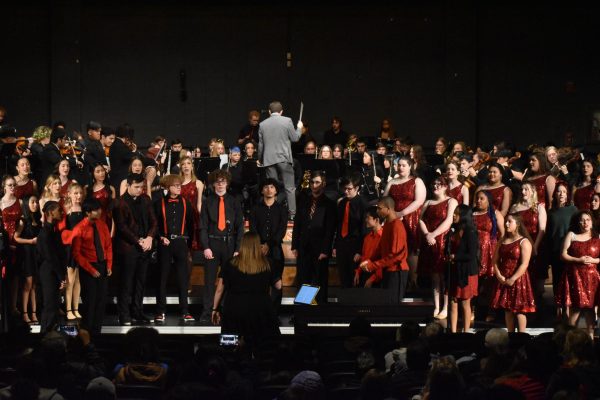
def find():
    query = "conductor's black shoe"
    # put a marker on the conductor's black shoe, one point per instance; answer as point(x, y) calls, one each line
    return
point(187, 318)
point(125, 321)
point(142, 319)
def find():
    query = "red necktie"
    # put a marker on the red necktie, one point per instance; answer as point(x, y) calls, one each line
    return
point(173, 200)
point(345, 221)
point(221, 222)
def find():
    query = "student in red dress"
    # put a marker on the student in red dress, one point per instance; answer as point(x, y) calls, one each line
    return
point(578, 286)
point(534, 216)
point(102, 191)
point(409, 193)
point(369, 245)
point(25, 186)
point(456, 189)
point(490, 227)
point(513, 291)
point(51, 192)
point(538, 174)
point(63, 169)
point(11, 215)
point(463, 247)
point(583, 190)
point(436, 219)
point(501, 194)
point(191, 189)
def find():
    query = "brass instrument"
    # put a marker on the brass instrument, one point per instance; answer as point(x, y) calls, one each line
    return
point(306, 179)
point(351, 144)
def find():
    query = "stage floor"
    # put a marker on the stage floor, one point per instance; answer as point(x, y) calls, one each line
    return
point(174, 326)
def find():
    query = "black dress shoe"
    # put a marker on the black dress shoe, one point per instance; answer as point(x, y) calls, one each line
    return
point(143, 319)
point(125, 321)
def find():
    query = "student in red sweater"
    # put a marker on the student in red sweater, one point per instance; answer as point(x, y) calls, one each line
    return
point(370, 243)
point(92, 251)
point(390, 255)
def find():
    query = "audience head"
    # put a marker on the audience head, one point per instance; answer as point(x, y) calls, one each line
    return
point(496, 340)
point(100, 388)
point(308, 382)
point(444, 381)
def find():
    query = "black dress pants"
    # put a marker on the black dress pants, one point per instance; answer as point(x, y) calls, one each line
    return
point(49, 283)
point(313, 272)
point(222, 251)
point(277, 258)
point(395, 284)
point(93, 295)
point(176, 253)
point(344, 257)
point(134, 267)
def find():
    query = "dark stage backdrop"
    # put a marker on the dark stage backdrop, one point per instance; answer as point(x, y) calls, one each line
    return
point(526, 74)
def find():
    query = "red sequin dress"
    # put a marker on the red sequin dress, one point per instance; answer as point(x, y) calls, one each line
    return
point(22, 191)
point(456, 193)
point(64, 189)
point(104, 198)
point(538, 266)
point(539, 184)
point(189, 191)
point(432, 258)
point(470, 290)
point(497, 196)
point(404, 194)
point(578, 285)
point(10, 220)
point(517, 298)
point(582, 198)
point(487, 244)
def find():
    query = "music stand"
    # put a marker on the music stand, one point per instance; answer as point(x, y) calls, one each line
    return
point(249, 172)
point(370, 141)
point(434, 159)
point(206, 165)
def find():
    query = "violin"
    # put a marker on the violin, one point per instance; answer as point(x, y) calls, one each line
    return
point(21, 145)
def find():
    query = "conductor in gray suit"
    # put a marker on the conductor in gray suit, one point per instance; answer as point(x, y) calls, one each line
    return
point(275, 137)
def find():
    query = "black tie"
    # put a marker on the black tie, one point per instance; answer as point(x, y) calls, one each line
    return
point(98, 244)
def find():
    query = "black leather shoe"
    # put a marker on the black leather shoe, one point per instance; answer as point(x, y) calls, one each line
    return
point(125, 321)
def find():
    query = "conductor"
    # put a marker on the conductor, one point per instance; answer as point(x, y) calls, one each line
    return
point(275, 137)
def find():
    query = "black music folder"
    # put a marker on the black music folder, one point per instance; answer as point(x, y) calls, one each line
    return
point(206, 165)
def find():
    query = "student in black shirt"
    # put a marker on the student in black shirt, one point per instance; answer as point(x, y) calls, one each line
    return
point(136, 227)
point(53, 270)
point(351, 228)
point(268, 218)
point(221, 231)
point(175, 224)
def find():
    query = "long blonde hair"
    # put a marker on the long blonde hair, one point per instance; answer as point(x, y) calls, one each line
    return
point(49, 181)
point(250, 259)
point(187, 158)
point(533, 200)
point(68, 203)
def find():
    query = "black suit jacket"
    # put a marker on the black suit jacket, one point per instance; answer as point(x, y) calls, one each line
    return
point(318, 232)
point(209, 218)
point(94, 153)
point(120, 158)
point(127, 227)
point(51, 250)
